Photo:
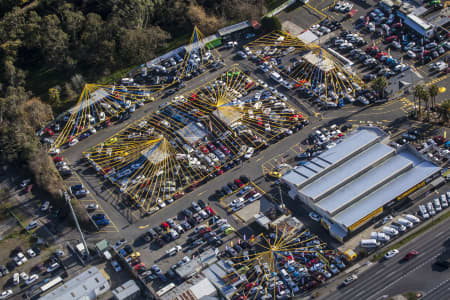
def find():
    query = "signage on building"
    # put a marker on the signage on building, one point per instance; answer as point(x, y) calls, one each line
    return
point(411, 190)
point(365, 219)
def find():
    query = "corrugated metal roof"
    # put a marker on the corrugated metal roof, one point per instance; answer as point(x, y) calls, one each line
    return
point(348, 169)
point(386, 193)
point(351, 144)
point(350, 191)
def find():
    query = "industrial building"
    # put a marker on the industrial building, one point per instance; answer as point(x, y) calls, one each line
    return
point(127, 291)
point(357, 179)
point(90, 284)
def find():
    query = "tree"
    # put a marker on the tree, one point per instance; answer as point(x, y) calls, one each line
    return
point(444, 111)
point(206, 22)
point(269, 24)
point(379, 84)
point(433, 91)
point(426, 98)
point(418, 91)
point(54, 41)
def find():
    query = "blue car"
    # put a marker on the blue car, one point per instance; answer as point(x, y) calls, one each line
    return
point(102, 222)
point(98, 217)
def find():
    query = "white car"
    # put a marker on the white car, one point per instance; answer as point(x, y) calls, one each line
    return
point(73, 142)
point(173, 251)
point(254, 197)
point(52, 267)
point(92, 206)
point(5, 294)
point(16, 278)
point(60, 253)
point(116, 266)
point(24, 276)
point(32, 279)
point(32, 225)
point(391, 253)
point(249, 153)
point(411, 54)
point(31, 253)
point(45, 206)
point(387, 219)
point(196, 207)
point(313, 216)
point(236, 202)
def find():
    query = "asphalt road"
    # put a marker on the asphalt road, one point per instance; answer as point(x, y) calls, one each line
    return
point(395, 276)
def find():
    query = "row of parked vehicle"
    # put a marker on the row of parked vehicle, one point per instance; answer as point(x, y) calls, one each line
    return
point(434, 207)
point(398, 36)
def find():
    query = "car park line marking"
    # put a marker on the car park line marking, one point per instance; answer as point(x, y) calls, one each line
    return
point(144, 226)
point(436, 80)
point(92, 199)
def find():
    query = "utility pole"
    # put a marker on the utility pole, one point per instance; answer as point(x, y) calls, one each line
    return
point(67, 197)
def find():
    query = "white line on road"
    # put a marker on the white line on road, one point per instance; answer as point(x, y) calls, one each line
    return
point(440, 233)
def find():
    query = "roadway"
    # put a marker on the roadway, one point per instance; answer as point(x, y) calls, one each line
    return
point(396, 276)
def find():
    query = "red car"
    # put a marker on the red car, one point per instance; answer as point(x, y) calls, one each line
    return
point(58, 159)
point(238, 183)
point(391, 38)
point(411, 254)
point(204, 149)
point(178, 195)
point(370, 49)
point(48, 131)
point(211, 211)
point(380, 54)
point(439, 139)
point(139, 266)
point(250, 285)
point(165, 225)
point(225, 149)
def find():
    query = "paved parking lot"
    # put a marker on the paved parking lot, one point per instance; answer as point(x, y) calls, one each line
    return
point(130, 222)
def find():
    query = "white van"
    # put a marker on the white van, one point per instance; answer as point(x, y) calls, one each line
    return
point(369, 243)
point(413, 219)
point(437, 205)
point(174, 234)
point(390, 231)
point(404, 222)
point(383, 237)
point(444, 202)
point(380, 236)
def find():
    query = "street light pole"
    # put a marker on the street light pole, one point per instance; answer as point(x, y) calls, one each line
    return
point(67, 197)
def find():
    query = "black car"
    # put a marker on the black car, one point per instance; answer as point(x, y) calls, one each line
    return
point(201, 203)
point(237, 248)
point(128, 249)
point(244, 179)
point(187, 212)
point(166, 237)
point(232, 186)
point(3, 270)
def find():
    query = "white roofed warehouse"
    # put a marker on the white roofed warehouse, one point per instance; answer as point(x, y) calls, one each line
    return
point(356, 180)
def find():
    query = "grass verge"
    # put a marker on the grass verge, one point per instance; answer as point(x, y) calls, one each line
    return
point(412, 236)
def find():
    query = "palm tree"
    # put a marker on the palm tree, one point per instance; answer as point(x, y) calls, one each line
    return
point(433, 91)
point(418, 90)
point(426, 98)
point(444, 111)
point(379, 84)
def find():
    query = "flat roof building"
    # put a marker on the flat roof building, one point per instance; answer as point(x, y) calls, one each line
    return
point(127, 291)
point(90, 284)
point(351, 183)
